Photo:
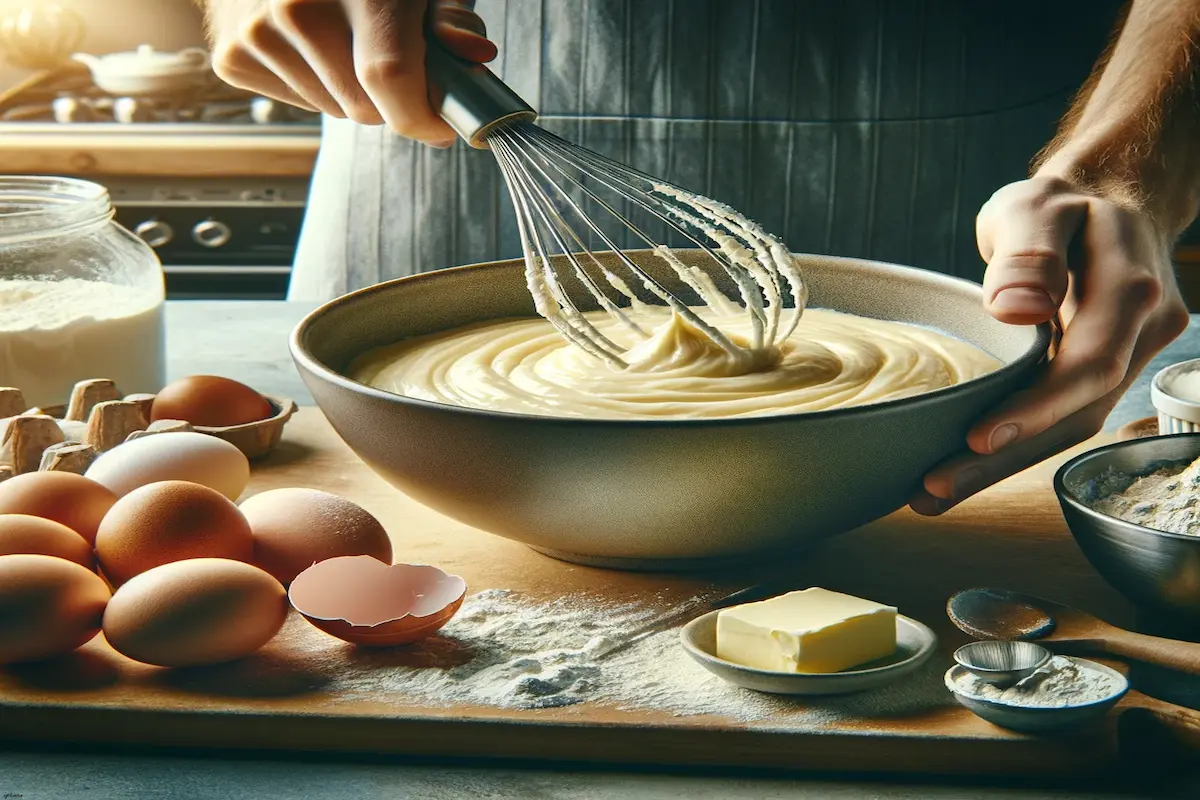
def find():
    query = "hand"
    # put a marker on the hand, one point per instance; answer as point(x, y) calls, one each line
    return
point(362, 59)
point(1104, 269)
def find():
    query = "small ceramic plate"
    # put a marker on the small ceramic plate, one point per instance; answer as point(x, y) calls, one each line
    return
point(915, 643)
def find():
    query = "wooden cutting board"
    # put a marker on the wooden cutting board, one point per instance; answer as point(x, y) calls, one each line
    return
point(1011, 536)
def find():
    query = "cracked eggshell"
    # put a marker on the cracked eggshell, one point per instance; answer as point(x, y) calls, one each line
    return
point(195, 612)
point(362, 600)
point(178, 456)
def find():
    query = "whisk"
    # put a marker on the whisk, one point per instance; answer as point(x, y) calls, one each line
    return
point(566, 196)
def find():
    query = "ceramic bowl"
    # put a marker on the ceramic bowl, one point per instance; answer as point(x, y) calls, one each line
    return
point(1171, 393)
point(655, 494)
point(915, 643)
point(1036, 720)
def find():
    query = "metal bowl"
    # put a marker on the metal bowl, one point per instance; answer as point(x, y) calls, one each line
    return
point(1152, 568)
point(654, 494)
point(1002, 662)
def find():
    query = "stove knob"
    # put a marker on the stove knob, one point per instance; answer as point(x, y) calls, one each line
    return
point(210, 233)
point(70, 109)
point(128, 110)
point(154, 232)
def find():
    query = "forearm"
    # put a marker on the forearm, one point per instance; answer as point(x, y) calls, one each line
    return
point(1133, 133)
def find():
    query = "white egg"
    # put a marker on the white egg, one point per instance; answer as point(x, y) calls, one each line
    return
point(179, 456)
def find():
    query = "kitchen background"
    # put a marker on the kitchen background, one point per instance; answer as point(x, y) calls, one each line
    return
point(216, 180)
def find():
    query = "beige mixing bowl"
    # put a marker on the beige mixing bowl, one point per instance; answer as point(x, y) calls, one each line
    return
point(654, 494)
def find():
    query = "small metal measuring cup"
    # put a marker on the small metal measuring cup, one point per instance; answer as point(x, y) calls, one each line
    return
point(1002, 663)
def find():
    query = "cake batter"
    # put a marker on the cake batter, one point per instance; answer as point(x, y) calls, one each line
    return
point(524, 366)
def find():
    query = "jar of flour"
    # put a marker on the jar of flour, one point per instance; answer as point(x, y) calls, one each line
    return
point(80, 296)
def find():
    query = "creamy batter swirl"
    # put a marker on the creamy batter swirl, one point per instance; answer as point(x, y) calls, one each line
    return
point(832, 360)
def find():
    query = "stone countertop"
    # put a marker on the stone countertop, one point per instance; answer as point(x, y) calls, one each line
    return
point(248, 341)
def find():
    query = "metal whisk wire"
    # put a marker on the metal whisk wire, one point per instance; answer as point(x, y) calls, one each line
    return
point(558, 190)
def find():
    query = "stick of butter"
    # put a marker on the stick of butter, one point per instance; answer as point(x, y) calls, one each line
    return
point(813, 630)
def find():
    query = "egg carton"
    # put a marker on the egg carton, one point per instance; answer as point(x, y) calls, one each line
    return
point(97, 418)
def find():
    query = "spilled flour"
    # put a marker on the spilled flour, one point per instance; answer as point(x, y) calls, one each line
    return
point(505, 651)
point(1167, 499)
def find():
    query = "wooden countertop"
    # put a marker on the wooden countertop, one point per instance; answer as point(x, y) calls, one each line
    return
point(188, 154)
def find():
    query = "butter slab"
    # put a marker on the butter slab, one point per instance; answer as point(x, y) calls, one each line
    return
point(812, 630)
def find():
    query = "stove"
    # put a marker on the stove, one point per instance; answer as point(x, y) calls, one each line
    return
point(214, 179)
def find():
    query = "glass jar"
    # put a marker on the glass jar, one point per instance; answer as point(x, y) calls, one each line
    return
point(80, 296)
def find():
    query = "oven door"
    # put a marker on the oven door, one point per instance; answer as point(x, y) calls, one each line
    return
point(217, 251)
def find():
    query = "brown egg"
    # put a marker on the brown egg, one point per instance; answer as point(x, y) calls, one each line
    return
point(364, 601)
point(22, 533)
point(48, 606)
point(170, 521)
point(295, 528)
point(75, 501)
point(210, 401)
point(200, 611)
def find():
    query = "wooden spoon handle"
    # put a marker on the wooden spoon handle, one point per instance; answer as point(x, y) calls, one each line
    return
point(1158, 729)
point(1169, 653)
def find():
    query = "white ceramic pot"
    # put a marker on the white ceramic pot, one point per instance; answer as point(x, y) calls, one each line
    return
point(1175, 393)
point(146, 71)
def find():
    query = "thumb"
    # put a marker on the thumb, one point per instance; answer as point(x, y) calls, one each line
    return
point(1025, 241)
point(460, 30)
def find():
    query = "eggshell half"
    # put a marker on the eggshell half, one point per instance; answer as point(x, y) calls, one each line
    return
point(48, 606)
point(73, 500)
point(195, 612)
point(365, 601)
point(170, 521)
point(22, 533)
point(295, 528)
point(176, 456)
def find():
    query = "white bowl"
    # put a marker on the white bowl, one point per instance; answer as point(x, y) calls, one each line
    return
point(1175, 393)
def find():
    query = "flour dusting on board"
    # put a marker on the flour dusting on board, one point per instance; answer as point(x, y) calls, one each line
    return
point(505, 651)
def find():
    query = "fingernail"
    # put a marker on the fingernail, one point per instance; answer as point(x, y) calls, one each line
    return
point(932, 507)
point(943, 505)
point(443, 145)
point(1003, 436)
point(1023, 300)
point(967, 482)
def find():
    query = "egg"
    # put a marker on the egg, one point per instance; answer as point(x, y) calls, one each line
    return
point(295, 528)
point(21, 533)
point(48, 606)
point(73, 500)
point(210, 401)
point(195, 612)
point(170, 521)
point(178, 456)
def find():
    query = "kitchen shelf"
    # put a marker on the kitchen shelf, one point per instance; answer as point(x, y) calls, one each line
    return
point(176, 154)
